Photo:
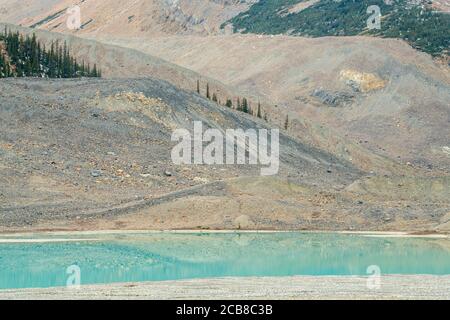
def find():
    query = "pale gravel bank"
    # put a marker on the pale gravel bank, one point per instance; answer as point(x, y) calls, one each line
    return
point(298, 287)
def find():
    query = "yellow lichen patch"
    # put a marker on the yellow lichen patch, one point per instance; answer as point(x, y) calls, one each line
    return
point(140, 98)
point(6, 146)
point(154, 108)
point(365, 82)
point(446, 150)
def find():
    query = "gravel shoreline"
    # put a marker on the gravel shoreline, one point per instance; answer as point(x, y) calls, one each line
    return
point(391, 287)
point(187, 231)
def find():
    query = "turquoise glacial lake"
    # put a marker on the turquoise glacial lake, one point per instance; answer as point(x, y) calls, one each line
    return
point(109, 258)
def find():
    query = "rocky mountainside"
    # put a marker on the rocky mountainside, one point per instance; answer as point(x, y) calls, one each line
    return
point(346, 94)
point(126, 18)
point(418, 22)
point(120, 62)
point(74, 147)
point(95, 154)
point(366, 145)
point(423, 24)
point(373, 98)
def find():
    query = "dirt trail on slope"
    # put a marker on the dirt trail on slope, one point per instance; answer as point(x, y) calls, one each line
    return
point(94, 154)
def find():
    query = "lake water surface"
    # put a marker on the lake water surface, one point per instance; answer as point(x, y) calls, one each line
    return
point(108, 258)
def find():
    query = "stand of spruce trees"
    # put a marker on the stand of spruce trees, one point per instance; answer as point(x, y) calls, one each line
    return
point(243, 106)
point(26, 57)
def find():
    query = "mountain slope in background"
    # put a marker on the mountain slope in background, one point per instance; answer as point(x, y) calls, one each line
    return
point(120, 62)
point(126, 18)
point(379, 93)
point(417, 22)
point(306, 79)
point(366, 147)
point(95, 154)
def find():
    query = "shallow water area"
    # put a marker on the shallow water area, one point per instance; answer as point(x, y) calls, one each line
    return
point(43, 260)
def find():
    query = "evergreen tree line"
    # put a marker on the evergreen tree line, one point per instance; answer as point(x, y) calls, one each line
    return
point(242, 105)
point(419, 24)
point(25, 56)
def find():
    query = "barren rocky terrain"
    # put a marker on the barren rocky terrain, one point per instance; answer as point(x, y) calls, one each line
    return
point(63, 139)
point(95, 154)
point(377, 94)
point(369, 100)
point(126, 18)
point(367, 146)
point(413, 287)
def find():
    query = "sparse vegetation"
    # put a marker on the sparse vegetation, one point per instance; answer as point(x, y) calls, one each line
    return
point(208, 96)
point(243, 106)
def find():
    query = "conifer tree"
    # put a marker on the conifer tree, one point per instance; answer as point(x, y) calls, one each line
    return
point(198, 86)
point(286, 123)
point(94, 71)
point(207, 91)
point(259, 114)
point(27, 57)
point(2, 67)
point(245, 106)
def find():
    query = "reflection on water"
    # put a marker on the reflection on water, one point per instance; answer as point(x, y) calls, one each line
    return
point(149, 257)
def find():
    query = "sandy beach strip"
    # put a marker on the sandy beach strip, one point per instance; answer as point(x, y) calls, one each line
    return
point(391, 287)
